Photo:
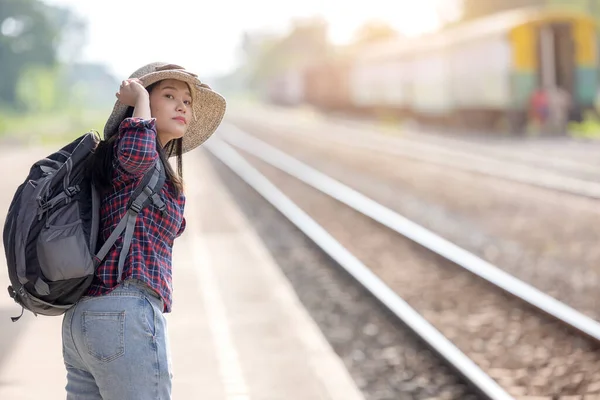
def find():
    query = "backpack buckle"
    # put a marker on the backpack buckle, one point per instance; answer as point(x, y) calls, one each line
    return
point(72, 190)
point(135, 207)
point(43, 207)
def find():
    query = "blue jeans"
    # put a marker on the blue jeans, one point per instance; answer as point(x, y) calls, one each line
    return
point(115, 346)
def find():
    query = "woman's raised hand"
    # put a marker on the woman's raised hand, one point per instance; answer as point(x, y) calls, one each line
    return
point(130, 92)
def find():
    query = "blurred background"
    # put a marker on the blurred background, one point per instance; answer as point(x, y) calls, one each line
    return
point(478, 120)
point(493, 65)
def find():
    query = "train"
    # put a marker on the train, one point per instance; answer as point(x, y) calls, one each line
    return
point(479, 74)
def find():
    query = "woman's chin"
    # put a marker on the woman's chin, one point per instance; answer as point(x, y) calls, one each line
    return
point(178, 134)
point(166, 137)
point(179, 131)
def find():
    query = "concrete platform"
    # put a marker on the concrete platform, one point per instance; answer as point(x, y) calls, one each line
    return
point(237, 330)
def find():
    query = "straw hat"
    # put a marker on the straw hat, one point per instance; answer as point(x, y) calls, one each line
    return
point(208, 106)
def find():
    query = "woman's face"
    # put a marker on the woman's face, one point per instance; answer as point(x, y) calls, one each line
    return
point(171, 105)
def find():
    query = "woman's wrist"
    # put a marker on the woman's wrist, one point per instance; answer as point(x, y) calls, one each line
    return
point(142, 107)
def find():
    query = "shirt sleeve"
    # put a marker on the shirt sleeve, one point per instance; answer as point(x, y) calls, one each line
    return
point(181, 228)
point(136, 147)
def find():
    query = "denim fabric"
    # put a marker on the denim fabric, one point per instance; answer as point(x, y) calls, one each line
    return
point(115, 346)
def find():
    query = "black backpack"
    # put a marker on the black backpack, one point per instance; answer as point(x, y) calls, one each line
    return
point(51, 229)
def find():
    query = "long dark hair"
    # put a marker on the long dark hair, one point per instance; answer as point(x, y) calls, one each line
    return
point(100, 164)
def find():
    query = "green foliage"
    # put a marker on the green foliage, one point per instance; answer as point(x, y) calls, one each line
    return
point(589, 128)
point(37, 89)
point(374, 31)
point(592, 6)
point(268, 55)
point(473, 9)
point(31, 33)
point(477, 8)
point(43, 94)
point(53, 127)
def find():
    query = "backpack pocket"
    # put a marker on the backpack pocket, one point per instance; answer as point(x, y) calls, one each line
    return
point(62, 247)
point(39, 306)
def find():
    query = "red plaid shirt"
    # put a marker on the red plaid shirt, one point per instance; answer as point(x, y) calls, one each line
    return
point(149, 258)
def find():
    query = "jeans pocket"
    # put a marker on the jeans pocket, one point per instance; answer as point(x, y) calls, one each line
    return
point(150, 318)
point(104, 335)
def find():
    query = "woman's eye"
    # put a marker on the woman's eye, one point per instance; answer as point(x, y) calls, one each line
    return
point(169, 96)
point(188, 102)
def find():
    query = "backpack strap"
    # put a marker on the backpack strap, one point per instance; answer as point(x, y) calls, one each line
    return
point(147, 191)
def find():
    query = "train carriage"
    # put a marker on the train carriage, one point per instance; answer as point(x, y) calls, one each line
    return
point(479, 74)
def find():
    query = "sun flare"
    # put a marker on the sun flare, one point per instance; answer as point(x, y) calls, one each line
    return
point(409, 18)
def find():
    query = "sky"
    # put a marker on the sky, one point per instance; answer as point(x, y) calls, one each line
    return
point(204, 37)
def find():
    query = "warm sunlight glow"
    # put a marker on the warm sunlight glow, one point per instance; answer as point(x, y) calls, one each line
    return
point(409, 18)
point(215, 32)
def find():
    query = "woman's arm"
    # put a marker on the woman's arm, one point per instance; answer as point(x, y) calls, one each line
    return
point(142, 107)
point(136, 150)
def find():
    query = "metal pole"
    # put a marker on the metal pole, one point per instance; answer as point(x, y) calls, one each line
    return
point(547, 59)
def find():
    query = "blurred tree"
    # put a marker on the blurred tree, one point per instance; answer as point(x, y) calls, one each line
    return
point(37, 89)
point(374, 31)
point(91, 83)
point(268, 56)
point(30, 36)
point(590, 6)
point(478, 8)
point(448, 11)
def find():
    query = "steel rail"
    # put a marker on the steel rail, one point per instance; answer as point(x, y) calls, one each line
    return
point(438, 342)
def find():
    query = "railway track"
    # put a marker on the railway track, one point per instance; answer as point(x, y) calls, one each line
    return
point(560, 154)
point(506, 338)
point(528, 167)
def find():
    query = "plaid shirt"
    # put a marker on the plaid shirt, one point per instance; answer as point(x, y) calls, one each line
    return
point(149, 258)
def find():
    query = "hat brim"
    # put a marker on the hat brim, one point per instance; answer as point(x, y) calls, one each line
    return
point(208, 108)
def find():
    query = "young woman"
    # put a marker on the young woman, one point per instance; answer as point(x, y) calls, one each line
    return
point(115, 342)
